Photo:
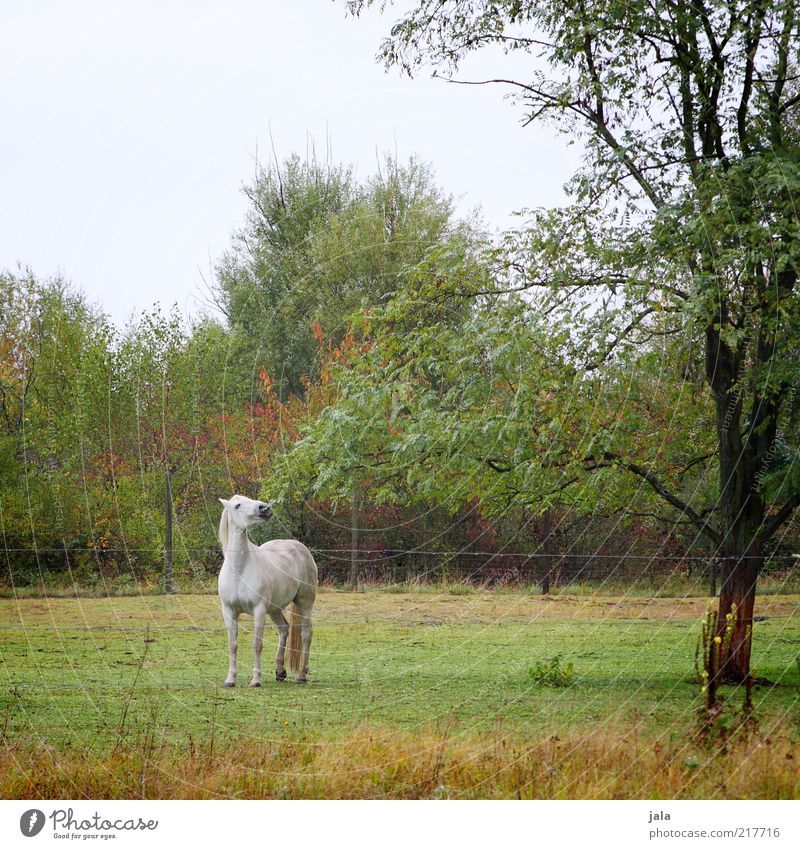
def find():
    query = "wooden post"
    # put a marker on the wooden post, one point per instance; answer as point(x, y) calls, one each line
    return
point(354, 539)
point(713, 582)
point(547, 551)
point(169, 587)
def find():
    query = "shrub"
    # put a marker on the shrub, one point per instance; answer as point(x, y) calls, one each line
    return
point(551, 673)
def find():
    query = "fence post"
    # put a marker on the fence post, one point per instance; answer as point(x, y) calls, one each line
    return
point(713, 584)
point(354, 539)
point(547, 550)
point(168, 583)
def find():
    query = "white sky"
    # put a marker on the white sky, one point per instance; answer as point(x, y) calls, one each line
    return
point(128, 130)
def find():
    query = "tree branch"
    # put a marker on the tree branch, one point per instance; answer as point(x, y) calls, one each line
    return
point(772, 525)
point(697, 520)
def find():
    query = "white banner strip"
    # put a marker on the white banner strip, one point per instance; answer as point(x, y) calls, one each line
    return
point(387, 824)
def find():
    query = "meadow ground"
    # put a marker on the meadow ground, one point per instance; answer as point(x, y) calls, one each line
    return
point(413, 694)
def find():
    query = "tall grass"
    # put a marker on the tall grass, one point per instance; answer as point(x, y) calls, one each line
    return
point(380, 763)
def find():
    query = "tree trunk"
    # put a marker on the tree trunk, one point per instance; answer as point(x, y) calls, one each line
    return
point(739, 576)
point(741, 560)
point(741, 511)
point(741, 519)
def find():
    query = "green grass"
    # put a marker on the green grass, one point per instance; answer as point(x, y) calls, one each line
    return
point(91, 674)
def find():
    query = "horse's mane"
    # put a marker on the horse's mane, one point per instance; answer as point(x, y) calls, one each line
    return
point(224, 530)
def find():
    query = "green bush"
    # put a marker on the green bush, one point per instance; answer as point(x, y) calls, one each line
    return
point(551, 673)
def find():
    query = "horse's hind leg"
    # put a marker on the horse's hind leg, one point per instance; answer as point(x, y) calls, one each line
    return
point(306, 631)
point(232, 624)
point(259, 617)
point(283, 632)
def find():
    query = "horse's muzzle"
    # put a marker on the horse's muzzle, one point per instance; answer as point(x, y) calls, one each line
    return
point(264, 511)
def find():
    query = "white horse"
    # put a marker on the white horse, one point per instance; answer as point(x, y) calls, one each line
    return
point(263, 581)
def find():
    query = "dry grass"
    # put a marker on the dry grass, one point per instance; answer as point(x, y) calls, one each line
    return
point(370, 763)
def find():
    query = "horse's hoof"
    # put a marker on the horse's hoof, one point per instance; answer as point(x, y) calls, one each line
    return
point(255, 683)
point(229, 684)
point(280, 676)
point(302, 680)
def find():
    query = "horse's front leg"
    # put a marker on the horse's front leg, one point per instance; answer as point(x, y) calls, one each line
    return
point(232, 624)
point(259, 616)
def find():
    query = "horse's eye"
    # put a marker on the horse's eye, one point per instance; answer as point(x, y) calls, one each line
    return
point(238, 506)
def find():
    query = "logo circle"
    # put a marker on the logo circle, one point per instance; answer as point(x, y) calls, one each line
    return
point(31, 822)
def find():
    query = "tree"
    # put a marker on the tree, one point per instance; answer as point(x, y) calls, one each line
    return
point(487, 406)
point(317, 245)
point(54, 379)
point(685, 208)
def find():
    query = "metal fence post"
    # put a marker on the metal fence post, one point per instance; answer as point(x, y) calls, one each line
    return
point(547, 551)
point(169, 587)
point(354, 539)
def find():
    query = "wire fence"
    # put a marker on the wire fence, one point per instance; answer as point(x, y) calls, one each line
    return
point(397, 566)
point(490, 568)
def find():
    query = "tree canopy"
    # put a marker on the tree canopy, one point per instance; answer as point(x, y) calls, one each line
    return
point(319, 244)
point(683, 227)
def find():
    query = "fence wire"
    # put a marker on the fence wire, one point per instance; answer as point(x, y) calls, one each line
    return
point(398, 566)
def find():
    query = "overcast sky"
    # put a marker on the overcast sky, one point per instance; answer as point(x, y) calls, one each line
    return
point(128, 130)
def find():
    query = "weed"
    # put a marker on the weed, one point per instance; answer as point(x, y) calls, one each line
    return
point(551, 673)
point(716, 724)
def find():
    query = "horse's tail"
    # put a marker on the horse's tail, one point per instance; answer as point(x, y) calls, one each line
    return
point(294, 643)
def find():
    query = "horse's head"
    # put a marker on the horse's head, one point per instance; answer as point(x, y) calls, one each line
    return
point(245, 512)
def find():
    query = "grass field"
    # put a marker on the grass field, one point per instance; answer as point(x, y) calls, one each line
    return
point(411, 694)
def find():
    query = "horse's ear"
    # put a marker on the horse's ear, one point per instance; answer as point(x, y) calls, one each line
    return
point(224, 530)
point(223, 502)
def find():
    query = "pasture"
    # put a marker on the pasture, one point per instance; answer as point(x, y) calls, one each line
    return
point(410, 694)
